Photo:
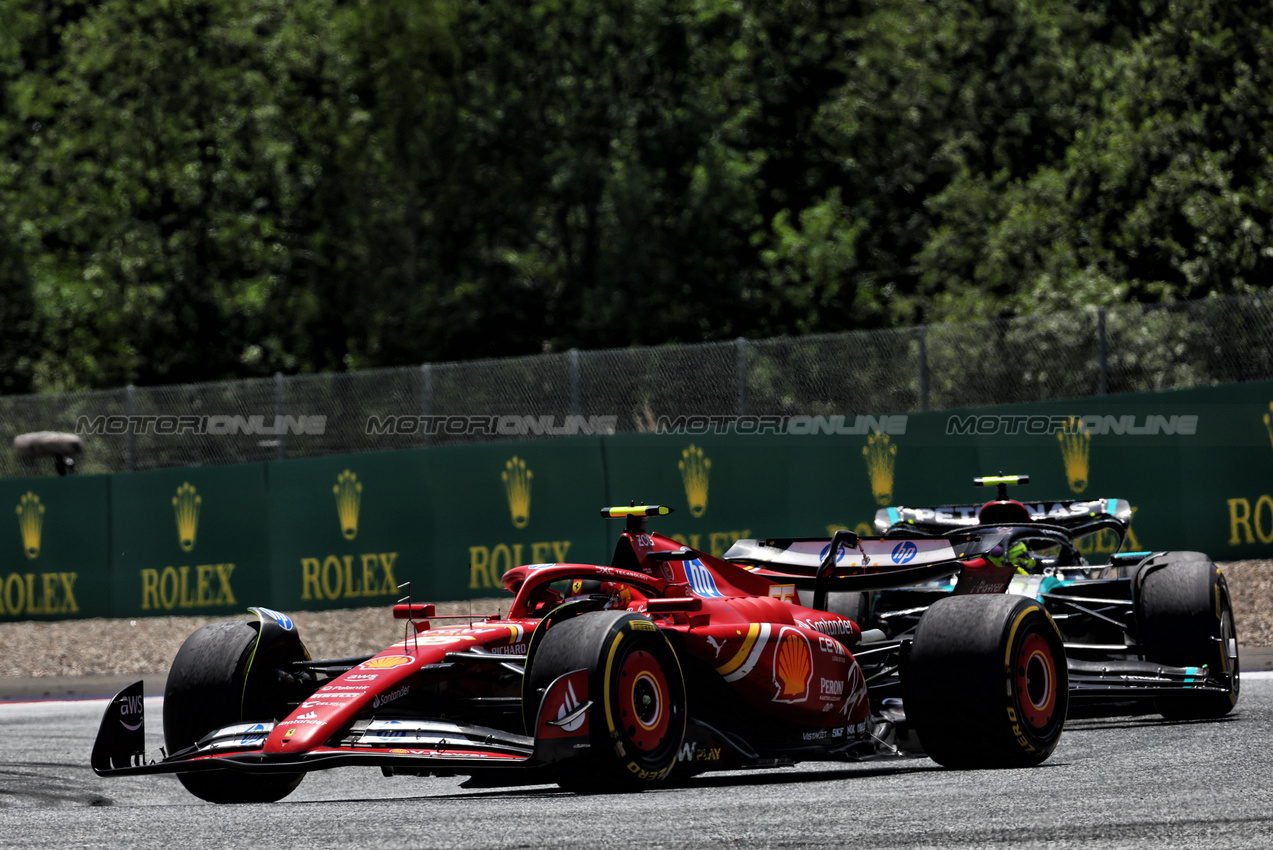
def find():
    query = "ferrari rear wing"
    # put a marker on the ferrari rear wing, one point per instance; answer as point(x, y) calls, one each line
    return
point(846, 562)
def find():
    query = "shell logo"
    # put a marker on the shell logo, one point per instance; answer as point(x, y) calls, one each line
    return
point(384, 662)
point(793, 666)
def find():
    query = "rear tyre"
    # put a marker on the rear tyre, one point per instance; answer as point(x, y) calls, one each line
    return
point(856, 605)
point(986, 684)
point(220, 677)
point(1186, 620)
point(638, 715)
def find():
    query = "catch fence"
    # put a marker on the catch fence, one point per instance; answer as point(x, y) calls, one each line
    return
point(1073, 354)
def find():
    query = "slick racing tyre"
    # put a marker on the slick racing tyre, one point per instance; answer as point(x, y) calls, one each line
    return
point(856, 605)
point(638, 714)
point(221, 676)
point(1186, 620)
point(986, 684)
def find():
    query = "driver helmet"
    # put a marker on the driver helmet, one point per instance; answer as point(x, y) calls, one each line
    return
point(1017, 556)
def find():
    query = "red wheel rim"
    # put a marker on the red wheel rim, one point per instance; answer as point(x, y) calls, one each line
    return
point(1036, 681)
point(643, 701)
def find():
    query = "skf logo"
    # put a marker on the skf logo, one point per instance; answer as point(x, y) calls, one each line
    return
point(186, 506)
point(881, 457)
point(695, 470)
point(348, 498)
point(517, 480)
point(1075, 444)
point(30, 523)
point(793, 666)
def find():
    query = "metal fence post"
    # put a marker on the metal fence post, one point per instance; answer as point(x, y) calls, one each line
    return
point(1102, 375)
point(280, 450)
point(130, 407)
point(921, 335)
point(574, 382)
point(740, 365)
point(426, 399)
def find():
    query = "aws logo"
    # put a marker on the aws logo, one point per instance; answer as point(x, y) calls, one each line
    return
point(695, 472)
point(30, 523)
point(348, 492)
point(517, 479)
point(186, 506)
point(1076, 443)
point(881, 457)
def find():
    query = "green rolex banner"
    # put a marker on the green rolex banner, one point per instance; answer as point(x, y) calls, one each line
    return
point(54, 548)
point(500, 505)
point(189, 541)
point(347, 530)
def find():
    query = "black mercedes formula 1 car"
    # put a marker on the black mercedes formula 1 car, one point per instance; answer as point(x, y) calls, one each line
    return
point(666, 662)
point(1144, 632)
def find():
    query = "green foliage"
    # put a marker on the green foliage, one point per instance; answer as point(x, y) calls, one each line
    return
point(199, 189)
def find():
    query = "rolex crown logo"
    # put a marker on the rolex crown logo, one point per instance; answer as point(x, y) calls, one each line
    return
point(695, 470)
point(30, 522)
point(881, 457)
point(1268, 422)
point(1075, 444)
point(186, 506)
point(517, 480)
point(348, 498)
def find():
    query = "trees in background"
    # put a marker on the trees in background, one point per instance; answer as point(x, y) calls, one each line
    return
point(201, 189)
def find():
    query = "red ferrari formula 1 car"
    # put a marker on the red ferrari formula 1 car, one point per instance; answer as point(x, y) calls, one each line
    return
point(666, 663)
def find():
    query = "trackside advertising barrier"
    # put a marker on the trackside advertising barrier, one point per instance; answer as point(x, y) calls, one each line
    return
point(347, 530)
point(189, 541)
point(344, 531)
point(55, 550)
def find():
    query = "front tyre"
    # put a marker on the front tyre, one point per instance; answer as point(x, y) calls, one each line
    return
point(638, 715)
point(1186, 620)
point(986, 684)
point(224, 675)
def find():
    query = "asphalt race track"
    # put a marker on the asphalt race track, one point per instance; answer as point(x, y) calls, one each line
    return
point(1122, 783)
